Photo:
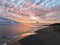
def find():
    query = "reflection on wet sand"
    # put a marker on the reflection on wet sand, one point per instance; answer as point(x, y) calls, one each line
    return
point(46, 36)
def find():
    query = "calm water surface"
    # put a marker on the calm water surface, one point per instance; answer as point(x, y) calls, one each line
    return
point(9, 31)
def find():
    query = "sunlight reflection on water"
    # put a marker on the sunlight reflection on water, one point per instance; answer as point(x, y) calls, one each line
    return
point(12, 30)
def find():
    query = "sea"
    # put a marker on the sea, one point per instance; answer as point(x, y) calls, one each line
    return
point(8, 32)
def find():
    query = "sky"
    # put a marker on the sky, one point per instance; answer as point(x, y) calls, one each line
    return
point(44, 3)
point(44, 10)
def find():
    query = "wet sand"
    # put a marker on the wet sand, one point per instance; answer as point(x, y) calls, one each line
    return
point(45, 36)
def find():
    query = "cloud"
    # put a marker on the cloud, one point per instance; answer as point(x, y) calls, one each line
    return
point(46, 10)
point(53, 16)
